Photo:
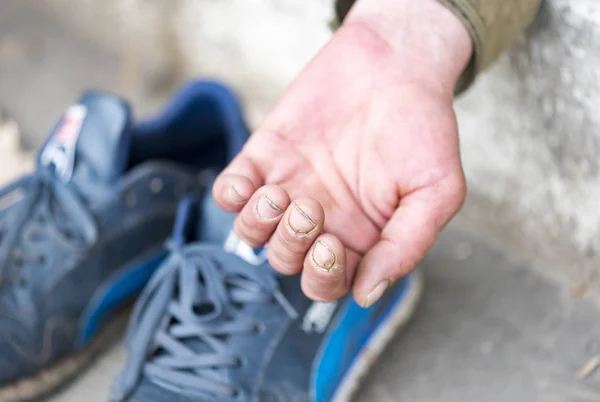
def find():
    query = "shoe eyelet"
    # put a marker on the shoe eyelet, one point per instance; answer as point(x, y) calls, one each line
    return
point(156, 185)
point(239, 362)
point(258, 328)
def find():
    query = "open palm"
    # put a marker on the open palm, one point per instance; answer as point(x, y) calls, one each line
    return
point(353, 174)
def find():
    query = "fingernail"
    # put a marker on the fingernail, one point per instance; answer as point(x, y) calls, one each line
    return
point(300, 222)
point(234, 196)
point(323, 256)
point(376, 293)
point(267, 209)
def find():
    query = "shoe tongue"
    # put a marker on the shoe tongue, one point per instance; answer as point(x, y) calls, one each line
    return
point(90, 142)
point(214, 226)
point(203, 221)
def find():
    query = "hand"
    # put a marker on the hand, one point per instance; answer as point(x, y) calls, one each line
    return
point(357, 169)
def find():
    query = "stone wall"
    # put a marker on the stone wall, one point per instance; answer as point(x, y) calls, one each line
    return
point(529, 127)
point(530, 138)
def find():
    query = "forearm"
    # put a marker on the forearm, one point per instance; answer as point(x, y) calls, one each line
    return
point(426, 35)
point(493, 25)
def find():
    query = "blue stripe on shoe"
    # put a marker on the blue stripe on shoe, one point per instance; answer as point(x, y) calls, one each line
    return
point(352, 331)
point(121, 289)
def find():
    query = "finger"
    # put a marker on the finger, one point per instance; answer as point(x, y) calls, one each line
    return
point(299, 227)
point(405, 240)
point(261, 214)
point(324, 275)
point(236, 184)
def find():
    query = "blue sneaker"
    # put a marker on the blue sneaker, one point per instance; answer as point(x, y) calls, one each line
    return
point(219, 324)
point(86, 230)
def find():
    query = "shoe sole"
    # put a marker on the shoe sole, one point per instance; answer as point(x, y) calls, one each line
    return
point(379, 340)
point(55, 378)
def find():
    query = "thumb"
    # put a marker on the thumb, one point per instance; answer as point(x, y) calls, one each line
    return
point(406, 238)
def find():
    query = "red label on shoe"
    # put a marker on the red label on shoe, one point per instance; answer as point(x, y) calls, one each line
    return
point(60, 149)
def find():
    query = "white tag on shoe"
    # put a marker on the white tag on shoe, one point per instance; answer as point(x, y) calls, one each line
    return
point(254, 256)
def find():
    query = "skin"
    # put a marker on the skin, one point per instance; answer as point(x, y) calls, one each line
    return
point(357, 169)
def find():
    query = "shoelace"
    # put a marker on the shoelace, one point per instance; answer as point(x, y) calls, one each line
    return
point(42, 189)
point(167, 329)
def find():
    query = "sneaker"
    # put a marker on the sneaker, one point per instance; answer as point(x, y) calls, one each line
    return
point(82, 234)
point(217, 323)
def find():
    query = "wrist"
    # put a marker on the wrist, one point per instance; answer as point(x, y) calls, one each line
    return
point(428, 42)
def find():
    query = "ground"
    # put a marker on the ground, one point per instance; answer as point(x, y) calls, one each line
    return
point(489, 328)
